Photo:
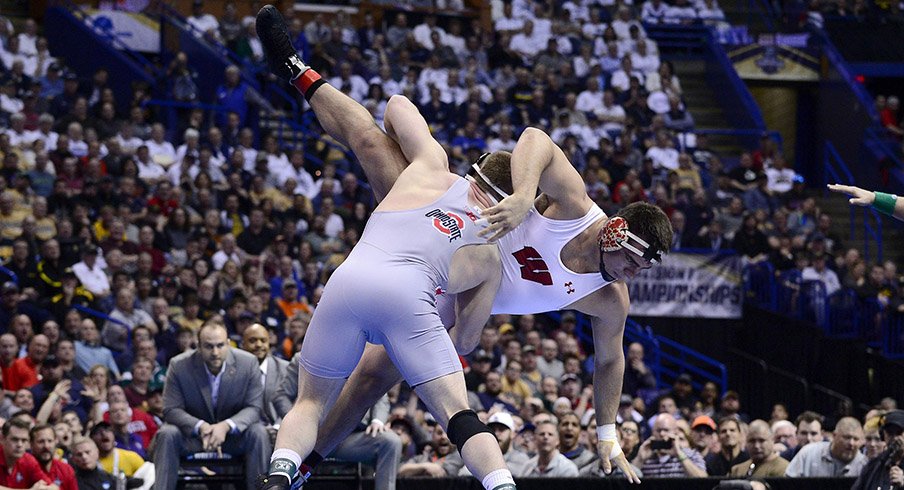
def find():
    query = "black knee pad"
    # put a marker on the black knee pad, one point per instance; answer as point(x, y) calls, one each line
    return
point(463, 426)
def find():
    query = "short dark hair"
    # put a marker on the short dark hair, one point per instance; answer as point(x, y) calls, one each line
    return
point(650, 223)
point(729, 420)
point(497, 166)
point(17, 423)
point(809, 416)
point(38, 428)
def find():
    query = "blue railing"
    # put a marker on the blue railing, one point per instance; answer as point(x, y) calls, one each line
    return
point(837, 172)
point(665, 357)
point(841, 315)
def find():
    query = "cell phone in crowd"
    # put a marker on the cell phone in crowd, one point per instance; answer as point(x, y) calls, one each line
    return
point(666, 444)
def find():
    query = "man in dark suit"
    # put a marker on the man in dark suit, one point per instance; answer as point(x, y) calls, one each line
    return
point(256, 340)
point(212, 400)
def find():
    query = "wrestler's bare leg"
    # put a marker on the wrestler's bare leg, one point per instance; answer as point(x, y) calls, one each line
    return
point(371, 379)
point(352, 125)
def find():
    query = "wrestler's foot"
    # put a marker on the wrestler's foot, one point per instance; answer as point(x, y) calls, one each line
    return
point(282, 57)
point(276, 482)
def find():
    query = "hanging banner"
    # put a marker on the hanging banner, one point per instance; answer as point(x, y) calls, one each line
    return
point(689, 286)
point(137, 32)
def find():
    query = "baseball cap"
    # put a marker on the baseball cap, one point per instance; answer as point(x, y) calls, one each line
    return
point(502, 418)
point(506, 328)
point(569, 377)
point(894, 417)
point(529, 349)
point(483, 355)
point(731, 394)
point(704, 421)
point(50, 361)
point(683, 378)
point(100, 426)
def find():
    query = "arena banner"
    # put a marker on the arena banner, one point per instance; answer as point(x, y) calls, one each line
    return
point(689, 286)
point(777, 57)
point(137, 32)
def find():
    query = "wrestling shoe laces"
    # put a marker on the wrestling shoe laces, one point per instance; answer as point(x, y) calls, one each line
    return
point(282, 58)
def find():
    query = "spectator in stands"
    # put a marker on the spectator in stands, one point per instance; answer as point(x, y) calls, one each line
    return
point(818, 271)
point(492, 393)
point(256, 340)
point(19, 468)
point(784, 435)
point(24, 371)
point(763, 462)
point(44, 446)
point(503, 426)
point(123, 319)
point(731, 451)
point(570, 446)
point(873, 444)
point(750, 241)
point(192, 425)
point(638, 375)
point(887, 469)
point(702, 437)
point(235, 95)
point(88, 472)
point(683, 395)
point(203, 23)
point(438, 460)
point(674, 460)
point(889, 117)
point(111, 458)
point(56, 389)
point(839, 458)
point(89, 352)
point(549, 462)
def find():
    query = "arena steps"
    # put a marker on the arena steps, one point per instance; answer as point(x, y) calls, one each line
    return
point(704, 107)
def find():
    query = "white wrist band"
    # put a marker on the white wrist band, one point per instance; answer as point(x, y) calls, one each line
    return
point(606, 433)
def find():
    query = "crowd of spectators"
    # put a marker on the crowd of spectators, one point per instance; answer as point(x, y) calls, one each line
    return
point(119, 243)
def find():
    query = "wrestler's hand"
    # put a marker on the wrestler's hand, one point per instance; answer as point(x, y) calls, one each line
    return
point(606, 449)
point(505, 216)
point(859, 197)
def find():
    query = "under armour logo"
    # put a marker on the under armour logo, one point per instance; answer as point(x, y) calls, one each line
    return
point(568, 287)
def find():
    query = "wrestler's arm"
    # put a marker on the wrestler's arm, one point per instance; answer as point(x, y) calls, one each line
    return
point(538, 162)
point(608, 310)
point(863, 197)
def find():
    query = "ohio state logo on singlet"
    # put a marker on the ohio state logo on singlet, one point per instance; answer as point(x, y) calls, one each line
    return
point(449, 224)
point(533, 267)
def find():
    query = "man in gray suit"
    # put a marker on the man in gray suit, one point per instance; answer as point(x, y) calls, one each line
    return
point(372, 442)
point(212, 400)
point(256, 340)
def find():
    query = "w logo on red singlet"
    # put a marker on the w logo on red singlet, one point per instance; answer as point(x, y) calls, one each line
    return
point(533, 267)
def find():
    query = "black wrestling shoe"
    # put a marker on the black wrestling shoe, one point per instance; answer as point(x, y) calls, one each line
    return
point(273, 482)
point(282, 58)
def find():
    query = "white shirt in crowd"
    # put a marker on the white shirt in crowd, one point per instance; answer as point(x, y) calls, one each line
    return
point(666, 158)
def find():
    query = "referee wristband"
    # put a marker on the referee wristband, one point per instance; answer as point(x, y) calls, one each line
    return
point(885, 203)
